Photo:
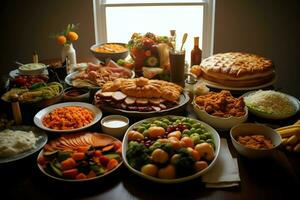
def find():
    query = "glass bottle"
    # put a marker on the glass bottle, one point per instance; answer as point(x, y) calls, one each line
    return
point(68, 65)
point(196, 53)
point(16, 108)
point(35, 57)
point(173, 38)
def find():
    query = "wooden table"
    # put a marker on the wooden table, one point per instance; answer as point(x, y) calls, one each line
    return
point(277, 177)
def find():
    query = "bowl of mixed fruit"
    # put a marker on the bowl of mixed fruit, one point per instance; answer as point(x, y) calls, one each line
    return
point(170, 149)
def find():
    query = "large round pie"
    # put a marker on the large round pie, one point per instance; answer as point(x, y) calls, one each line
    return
point(236, 69)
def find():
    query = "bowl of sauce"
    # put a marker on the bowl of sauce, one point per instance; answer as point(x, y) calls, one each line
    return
point(76, 94)
point(115, 125)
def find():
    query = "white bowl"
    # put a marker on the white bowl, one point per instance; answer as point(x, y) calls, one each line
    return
point(113, 55)
point(219, 123)
point(32, 69)
point(38, 118)
point(115, 125)
point(254, 129)
point(294, 101)
point(211, 130)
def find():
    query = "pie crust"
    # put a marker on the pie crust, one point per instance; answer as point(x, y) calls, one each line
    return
point(237, 69)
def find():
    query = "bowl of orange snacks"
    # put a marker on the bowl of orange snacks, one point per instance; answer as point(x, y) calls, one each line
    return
point(220, 109)
point(67, 117)
point(254, 140)
point(114, 51)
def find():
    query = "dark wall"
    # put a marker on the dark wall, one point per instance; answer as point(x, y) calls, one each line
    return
point(269, 28)
point(27, 26)
point(266, 27)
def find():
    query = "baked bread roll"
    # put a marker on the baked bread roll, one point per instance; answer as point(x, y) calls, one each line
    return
point(145, 88)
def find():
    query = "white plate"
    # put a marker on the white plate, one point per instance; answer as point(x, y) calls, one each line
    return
point(183, 101)
point(38, 118)
point(223, 87)
point(41, 141)
point(294, 100)
point(211, 130)
point(69, 79)
point(77, 180)
point(16, 72)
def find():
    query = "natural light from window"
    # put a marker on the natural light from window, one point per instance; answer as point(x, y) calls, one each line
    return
point(117, 20)
point(155, 19)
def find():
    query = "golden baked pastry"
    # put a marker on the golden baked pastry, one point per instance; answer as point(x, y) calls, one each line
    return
point(238, 69)
point(144, 88)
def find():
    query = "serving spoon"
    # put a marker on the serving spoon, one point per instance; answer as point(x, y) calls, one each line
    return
point(183, 40)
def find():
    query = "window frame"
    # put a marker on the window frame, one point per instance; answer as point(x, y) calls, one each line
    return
point(100, 26)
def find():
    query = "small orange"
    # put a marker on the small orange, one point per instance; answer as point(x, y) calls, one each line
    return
point(73, 36)
point(61, 39)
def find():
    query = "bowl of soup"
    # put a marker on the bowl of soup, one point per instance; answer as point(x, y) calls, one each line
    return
point(115, 125)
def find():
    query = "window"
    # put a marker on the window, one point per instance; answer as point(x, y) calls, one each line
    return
point(117, 20)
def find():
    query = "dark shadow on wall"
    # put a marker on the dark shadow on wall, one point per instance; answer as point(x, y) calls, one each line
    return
point(269, 28)
point(27, 26)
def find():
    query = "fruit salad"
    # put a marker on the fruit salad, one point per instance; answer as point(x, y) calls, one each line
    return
point(170, 147)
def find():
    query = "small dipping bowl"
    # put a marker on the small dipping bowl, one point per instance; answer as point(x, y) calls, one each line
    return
point(244, 129)
point(76, 94)
point(115, 125)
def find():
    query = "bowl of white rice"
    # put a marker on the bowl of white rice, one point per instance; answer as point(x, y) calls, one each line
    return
point(271, 104)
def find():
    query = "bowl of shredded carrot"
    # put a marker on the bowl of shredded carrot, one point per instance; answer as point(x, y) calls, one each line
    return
point(67, 117)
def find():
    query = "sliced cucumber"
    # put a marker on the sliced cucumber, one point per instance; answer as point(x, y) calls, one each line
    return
point(151, 61)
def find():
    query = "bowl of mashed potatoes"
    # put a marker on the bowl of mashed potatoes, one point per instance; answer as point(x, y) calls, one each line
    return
point(19, 142)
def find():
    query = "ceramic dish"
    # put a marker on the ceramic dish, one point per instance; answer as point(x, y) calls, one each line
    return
point(38, 118)
point(76, 94)
point(214, 137)
point(47, 170)
point(41, 141)
point(295, 102)
point(70, 77)
point(254, 129)
point(183, 101)
point(115, 125)
point(219, 123)
point(32, 68)
point(220, 86)
point(16, 72)
point(112, 55)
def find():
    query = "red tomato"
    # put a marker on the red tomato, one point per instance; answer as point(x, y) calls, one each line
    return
point(104, 160)
point(71, 173)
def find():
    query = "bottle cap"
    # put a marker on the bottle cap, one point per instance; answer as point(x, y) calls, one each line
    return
point(173, 32)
